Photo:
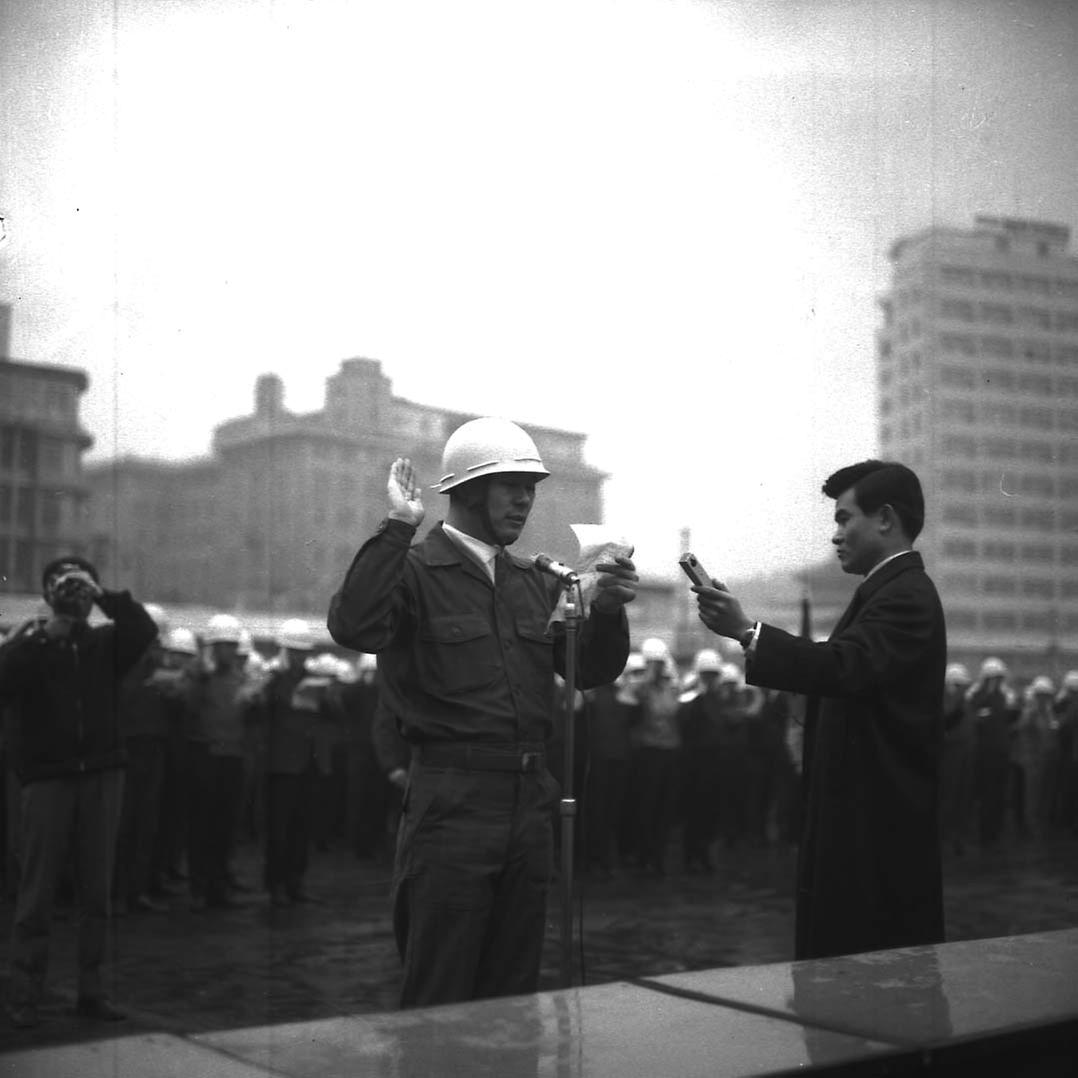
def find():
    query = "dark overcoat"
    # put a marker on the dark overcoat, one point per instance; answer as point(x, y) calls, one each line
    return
point(869, 874)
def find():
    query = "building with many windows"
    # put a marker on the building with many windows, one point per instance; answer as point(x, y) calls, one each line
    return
point(42, 491)
point(272, 518)
point(977, 365)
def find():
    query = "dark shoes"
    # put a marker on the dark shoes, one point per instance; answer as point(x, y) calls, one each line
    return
point(23, 1015)
point(99, 1009)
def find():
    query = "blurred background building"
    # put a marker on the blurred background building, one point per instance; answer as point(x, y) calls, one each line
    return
point(272, 518)
point(977, 365)
point(43, 493)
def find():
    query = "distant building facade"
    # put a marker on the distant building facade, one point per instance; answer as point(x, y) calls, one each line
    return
point(977, 367)
point(43, 496)
point(272, 519)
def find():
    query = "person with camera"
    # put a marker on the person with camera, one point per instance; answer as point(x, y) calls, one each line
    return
point(61, 679)
point(467, 663)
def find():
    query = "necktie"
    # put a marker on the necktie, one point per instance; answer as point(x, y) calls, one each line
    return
point(501, 570)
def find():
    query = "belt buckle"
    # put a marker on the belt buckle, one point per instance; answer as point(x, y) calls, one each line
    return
point(529, 761)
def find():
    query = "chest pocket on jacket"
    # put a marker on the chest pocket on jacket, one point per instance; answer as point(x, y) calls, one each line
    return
point(458, 653)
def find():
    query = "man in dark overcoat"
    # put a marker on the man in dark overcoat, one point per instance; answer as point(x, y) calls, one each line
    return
point(869, 874)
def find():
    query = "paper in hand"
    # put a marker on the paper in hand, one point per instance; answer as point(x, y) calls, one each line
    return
point(599, 545)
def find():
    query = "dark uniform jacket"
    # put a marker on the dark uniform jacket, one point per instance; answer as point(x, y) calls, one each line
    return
point(458, 659)
point(64, 691)
point(869, 874)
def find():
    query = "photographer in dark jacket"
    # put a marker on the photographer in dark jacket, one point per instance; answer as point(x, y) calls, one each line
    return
point(61, 679)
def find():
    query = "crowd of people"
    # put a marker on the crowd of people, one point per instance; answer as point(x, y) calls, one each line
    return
point(286, 746)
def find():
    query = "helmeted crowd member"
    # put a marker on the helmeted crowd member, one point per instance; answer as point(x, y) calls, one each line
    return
point(869, 866)
point(956, 764)
point(144, 714)
point(993, 708)
point(61, 679)
point(290, 704)
point(466, 663)
point(221, 708)
point(656, 755)
point(604, 790)
point(700, 719)
point(1034, 758)
point(1066, 712)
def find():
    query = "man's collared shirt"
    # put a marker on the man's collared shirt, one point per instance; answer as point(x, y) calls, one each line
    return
point(880, 564)
point(482, 552)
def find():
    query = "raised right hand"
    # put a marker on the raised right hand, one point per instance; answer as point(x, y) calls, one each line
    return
point(403, 492)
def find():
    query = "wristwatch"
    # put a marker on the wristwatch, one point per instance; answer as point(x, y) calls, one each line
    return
point(748, 636)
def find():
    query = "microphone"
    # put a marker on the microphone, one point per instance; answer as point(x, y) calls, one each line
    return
point(546, 564)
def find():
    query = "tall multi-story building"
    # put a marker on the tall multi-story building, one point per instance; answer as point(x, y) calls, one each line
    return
point(977, 366)
point(42, 492)
point(271, 520)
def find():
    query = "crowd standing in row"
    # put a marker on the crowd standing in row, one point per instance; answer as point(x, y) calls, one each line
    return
point(222, 744)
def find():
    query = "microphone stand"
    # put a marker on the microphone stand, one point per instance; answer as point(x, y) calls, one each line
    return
point(568, 801)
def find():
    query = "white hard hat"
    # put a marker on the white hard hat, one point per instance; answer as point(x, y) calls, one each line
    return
point(634, 663)
point(347, 672)
point(322, 665)
point(1042, 683)
point(182, 641)
point(367, 662)
point(654, 650)
point(1070, 680)
point(160, 618)
point(707, 661)
point(488, 446)
point(296, 635)
point(957, 674)
point(223, 629)
point(730, 674)
point(247, 643)
point(993, 667)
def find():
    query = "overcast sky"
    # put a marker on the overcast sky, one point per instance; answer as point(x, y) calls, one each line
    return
point(661, 222)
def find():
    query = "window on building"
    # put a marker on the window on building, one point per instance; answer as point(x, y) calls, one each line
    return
point(1065, 322)
point(958, 479)
point(1037, 317)
point(960, 548)
point(1041, 485)
point(999, 413)
point(999, 620)
point(959, 514)
point(1038, 518)
point(1035, 383)
point(1038, 552)
point(1039, 587)
point(1034, 352)
point(1068, 589)
point(1065, 354)
point(1043, 452)
point(997, 346)
point(1000, 585)
point(958, 343)
point(961, 411)
point(26, 507)
point(1039, 417)
point(959, 618)
point(1068, 555)
point(997, 314)
point(998, 551)
point(959, 309)
point(959, 445)
point(959, 275)
point(6, 500)
point(999, 379)
point(957, 377)
point(999, 515)
point(1001, 281)
point(1041, 620)
point(999, 448)
point(7, 448)
point(1038, 285)
point(50, 511)
point(962, 583)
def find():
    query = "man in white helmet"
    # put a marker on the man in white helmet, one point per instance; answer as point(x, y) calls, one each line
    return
point(993, 709)
point(467, 668)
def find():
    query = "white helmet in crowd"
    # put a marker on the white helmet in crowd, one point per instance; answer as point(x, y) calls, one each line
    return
point(1070, 681)
point(1042, 684)
point(707, 661)
point(957, 674)
point(182, 641)
point(488, 446)
point(296, 635)
point(347, 671)
point(325, 664)
point(160, 618)
point(634, 663)
point(223, 629)
point(993, 667)
point(654, 650)
point(730, 674)
point(367, 662)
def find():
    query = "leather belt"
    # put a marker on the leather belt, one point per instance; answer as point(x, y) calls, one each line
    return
point(479, 757)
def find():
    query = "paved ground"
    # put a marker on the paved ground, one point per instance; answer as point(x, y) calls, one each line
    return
point(190, 972)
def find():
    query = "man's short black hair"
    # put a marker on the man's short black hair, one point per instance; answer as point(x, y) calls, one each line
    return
point(877, 483)
point(73, 561)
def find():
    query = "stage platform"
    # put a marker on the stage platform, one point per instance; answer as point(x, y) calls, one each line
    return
point(1006, 1006)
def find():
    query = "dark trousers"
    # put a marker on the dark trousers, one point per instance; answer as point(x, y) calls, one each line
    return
point(136, 848)
point(289, 819)
point(215, 794)
point(604, 798)
point(474, 858)
point(75, 815)
point(656, 784)
point(701, 800)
